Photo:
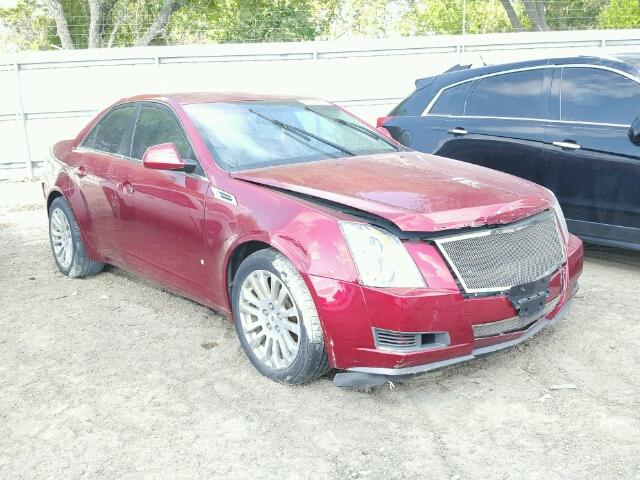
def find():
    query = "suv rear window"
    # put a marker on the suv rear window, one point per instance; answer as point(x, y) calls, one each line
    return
point(450, 100)
point(516, 95)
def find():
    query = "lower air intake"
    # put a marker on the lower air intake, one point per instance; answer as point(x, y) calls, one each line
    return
point(409, 341)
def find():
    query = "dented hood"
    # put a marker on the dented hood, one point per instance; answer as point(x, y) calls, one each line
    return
point(415, 191)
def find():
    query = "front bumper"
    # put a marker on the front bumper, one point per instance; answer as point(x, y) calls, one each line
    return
point(475, 353)
point(350, 312)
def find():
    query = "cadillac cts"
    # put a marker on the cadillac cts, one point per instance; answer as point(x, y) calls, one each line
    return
point(330, 245)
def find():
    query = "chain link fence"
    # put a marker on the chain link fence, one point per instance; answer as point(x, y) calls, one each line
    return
point(30, 25)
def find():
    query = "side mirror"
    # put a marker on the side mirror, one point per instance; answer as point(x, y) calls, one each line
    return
point(634, 131)
point(164, 156)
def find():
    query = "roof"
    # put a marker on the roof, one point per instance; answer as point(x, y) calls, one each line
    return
point(619, 61)
point(185, 98)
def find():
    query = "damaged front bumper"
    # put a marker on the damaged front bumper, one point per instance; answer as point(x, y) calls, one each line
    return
point(366, 376)
point(432, 328)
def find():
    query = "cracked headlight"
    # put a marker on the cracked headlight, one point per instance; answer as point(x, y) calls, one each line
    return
point(380, 257)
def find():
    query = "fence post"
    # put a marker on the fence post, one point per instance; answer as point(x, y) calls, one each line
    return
point(21, 117)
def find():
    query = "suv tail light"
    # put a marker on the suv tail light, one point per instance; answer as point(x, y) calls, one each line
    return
point(380, 126)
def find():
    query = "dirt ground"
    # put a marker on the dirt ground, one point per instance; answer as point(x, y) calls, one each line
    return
point(111, 377)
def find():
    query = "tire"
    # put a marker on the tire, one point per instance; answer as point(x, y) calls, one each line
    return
point(66, 242)
point(260, 316)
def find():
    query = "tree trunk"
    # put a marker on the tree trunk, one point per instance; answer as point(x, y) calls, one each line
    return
point(535, 11)
point(542, 15)
point(96, 7)
point(511, 13)
point(116, 26)
point(62, 28)
point(160, 22)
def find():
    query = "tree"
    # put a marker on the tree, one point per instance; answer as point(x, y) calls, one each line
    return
point(98, 11)
point(513, 17)
point(620, 14)
point(368, 18)
point(36, 31)
point(446, 17)
point(536, 13)
point(107, 23)
point(93, 23)
point(252, 21)
point(57, 12)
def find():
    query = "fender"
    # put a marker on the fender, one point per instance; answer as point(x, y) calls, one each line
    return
point(285, 245)
point(65, 186)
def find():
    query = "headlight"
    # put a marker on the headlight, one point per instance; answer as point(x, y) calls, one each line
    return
point(380, 258)
point(561, 220)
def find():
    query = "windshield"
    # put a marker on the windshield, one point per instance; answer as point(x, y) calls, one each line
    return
point(248, 135)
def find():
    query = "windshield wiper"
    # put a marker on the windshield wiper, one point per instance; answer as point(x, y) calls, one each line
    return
point(356, 127)
point(302, 132)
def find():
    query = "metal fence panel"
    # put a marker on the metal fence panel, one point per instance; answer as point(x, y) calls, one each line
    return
point(60, 90)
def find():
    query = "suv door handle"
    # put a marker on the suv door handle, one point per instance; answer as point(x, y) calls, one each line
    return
point(457, 131)
point(568, 144)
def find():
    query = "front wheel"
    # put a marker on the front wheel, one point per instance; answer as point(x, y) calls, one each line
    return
point(66, 242)
point(276, 319)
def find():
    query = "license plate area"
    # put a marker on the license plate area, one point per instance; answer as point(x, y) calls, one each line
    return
point(530, 298)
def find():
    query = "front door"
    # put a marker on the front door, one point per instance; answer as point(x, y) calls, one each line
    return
point(501, 125)
point(162, 212)
point(588, 160)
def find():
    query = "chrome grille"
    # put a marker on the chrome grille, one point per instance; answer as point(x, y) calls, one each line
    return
point(481, 330)
point(496, 259)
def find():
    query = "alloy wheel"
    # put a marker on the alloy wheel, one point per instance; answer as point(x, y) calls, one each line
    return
point(270, 319)
point(61, 239)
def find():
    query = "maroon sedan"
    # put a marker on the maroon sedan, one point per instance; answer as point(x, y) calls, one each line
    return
point(330, 245)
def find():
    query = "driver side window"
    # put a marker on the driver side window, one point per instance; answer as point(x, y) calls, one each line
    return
point(156, 125)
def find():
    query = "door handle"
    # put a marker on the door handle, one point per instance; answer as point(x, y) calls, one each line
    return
point(567, 144)
point(81, 171)
point(125, 187)
point(457, 131)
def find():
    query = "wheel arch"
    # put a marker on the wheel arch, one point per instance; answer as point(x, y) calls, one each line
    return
point(53, 194)
point(245, 246)
point(62, 190)
point(237, 256)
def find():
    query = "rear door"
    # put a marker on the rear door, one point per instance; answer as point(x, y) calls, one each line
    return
point(589, 161)
point(501, 122)
point(95, 203)
point(426, 131)
point(162, 217)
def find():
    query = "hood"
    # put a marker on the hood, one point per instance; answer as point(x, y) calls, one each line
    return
point(415, 191)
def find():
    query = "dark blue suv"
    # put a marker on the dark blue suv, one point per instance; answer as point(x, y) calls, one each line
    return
point(570, 124)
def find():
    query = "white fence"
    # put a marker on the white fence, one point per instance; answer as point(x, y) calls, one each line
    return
point(46, 96)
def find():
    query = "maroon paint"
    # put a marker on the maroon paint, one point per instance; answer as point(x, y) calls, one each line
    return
point(169, 226)
point(162, 157)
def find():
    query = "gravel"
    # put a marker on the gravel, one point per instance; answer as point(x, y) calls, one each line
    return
point(112, 377)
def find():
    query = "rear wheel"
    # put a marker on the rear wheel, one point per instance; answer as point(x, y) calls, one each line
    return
point(276, 319)
point(66, 242)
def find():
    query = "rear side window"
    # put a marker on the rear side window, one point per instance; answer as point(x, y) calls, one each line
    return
point(157, 125)
point(450, 100)
point(598, 96)
point(516, 95)
point(106, 136)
